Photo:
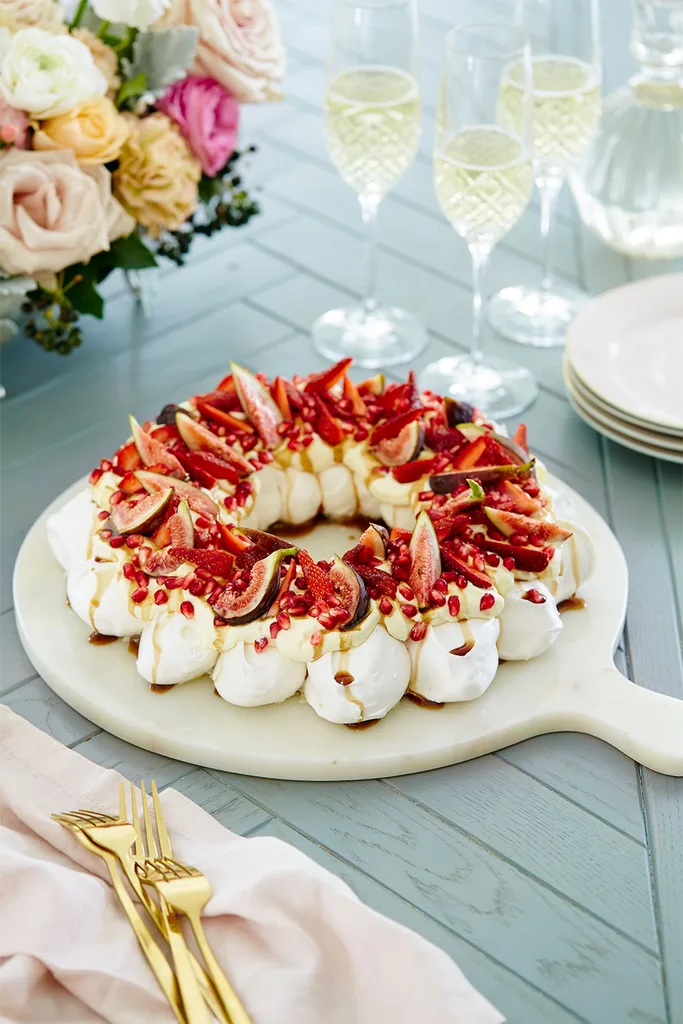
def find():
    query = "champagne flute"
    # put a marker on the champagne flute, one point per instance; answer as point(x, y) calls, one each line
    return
point(372, 128)
point(483, 179)
point(567, 78)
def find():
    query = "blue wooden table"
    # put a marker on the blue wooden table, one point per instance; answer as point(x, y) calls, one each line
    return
point(552, 871)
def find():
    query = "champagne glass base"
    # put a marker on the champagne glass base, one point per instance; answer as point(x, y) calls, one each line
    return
point(534, 316)
point(496, 387)
point(375, 338)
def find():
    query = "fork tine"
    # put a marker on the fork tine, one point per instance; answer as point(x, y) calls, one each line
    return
point(151, 841)
point(96, 814)
point(139, 847)
point(122, 801)
point(164, 841)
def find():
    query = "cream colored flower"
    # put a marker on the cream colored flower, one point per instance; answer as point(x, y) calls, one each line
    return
point(47, 14)
point(94, 131)
point(46, 75)
point(239, 44)
point(104, 57)
point(53, 213)
point(157, 176)
point(134, 13)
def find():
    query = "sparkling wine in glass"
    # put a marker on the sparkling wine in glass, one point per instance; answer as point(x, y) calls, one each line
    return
point(372, 129)
point(566, 80)
point(483, 179)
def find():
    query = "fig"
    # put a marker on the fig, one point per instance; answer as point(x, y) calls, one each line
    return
point(181, 527)
point(350, 589)
point(455, 564)
point(518, 455)
point(510, 523)
point(445, 483)
point(521, 501)
point(258, 406)
point(169, 412)
point(466, 499)
point(457, 412)
point(153, 452)
point(199, 501)
point(376, 539)
point(159, 563)
point(145, 514)
point(393, 426)
point(529, 559)
point(406, 446)
point(199, 438)
point(372, 385)
point(253, 602)
point(426, 560)
point(268, 541)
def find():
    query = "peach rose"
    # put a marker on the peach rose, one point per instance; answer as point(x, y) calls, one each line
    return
point(157, 176)
point(53, 213)
point(104, 57)
point(239, 44)
point(95, 132)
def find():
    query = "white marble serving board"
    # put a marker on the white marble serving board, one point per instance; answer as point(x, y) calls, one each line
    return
point(573, 687)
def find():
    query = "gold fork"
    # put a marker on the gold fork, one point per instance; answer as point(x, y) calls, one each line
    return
point(125, 841)
point(187, 891)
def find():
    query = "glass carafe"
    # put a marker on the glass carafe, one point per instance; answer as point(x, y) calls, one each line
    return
point(629, 187)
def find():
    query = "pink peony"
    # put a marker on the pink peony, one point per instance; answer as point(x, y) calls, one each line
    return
point(13, 126)
point(207, 115)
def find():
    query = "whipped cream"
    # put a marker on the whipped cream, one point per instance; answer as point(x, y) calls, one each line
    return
point(379, 670)
point(454, 661)
point(175, 649)
point(338, 492)
point(99, 593)
point(70, 528)
point(577, 562)
point(527, 629)
point(249, 678)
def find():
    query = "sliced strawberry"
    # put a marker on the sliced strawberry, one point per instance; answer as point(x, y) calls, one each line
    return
point(521, 501)
point(449, 526)
point(385, 583)
point(393, 427)
point(218, 562)
point(287, 580)
point(528, 559)
point(411, 471)
point(294, 396)
point(233, 541)
point(318, 581)
point(196, 470)
point(445, 439)
point(496, 455)
point(200, 438)
point(227, 384)
point(165, 433)
point(353, 395)
point(400, 536)
point(326, 425)
point(471, 454)
point(455, 564)
point(227, 401)
point(128, 458)
point(232, 423)
point(279, 392)
point(319, 382)
point(130, 484)
point(520, 438)
point(162, 537)
point(206, 464)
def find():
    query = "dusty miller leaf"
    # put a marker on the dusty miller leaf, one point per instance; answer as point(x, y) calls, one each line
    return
point(164, 56)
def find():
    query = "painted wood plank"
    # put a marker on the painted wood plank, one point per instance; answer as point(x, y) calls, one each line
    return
point(221, 801)
point(573, 852)
point(514, 996)
point(15, 667)
point(670, 479)
point(586, 965)
point(36, 702)
point(132, 762)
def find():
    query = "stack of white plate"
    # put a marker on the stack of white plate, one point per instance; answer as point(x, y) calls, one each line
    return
point(624, 366)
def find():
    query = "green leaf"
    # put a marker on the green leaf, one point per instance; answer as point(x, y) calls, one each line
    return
point(130, 253)
point(80, 288)
point(163, 56)
point(131, 88)
point(209, 187)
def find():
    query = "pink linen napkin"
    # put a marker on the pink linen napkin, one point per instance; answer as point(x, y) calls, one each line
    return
point(295, 941)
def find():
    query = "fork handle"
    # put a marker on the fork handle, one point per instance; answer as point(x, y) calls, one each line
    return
point(226, 993)
point(193, 1003)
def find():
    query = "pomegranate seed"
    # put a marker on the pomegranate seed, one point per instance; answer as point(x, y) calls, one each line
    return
point(325, 621)
point(487, 601)
point(418, 632)
point(340, 614)
point(187, 580)
point(103, 514)
point(509, 563)
point(160, 597)
point(450, 577)
point(116, 497)
point(187, 608)
point(140, 594)
point(260, 644)
point(425, 495)
point(406, 592)
point(105, 534)
point(134, 540)
point(141, 578)
point(409, 610)
point(174, 582)
point(283, 620)
point(274, 630)
point(492, 559)
point(105, 465)
point(385, 606)
point(307, 441)
point(95, 476)
point(441, 585)
point(203, 574)
point(218, 622)
point(438, 598)
point(460, 582)
point(117, 542)
point(197, 587)
point(534, 596)
point(315, 639)
point(202, 523)
point(478, 563)
point(519, 539)
point(282, 429)
point(230, 504)
point(454, 605)
point(128, 570)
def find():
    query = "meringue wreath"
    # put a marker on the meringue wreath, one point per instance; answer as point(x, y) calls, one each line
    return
point(462, 564)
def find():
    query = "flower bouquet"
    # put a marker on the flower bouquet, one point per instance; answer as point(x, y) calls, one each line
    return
point(118, 134)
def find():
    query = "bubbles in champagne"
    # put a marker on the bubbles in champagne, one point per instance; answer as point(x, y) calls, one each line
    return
point(483, 181)
point(372, 126)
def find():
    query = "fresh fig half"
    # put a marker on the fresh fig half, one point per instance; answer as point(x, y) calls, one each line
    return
point(268, 541)
point(372, 385)
point(521, 501)
point(457, 412)
point(199, 501)
point(466, 499)
point(159, 563)
point(375, 538)
point(517, 454)
point(426, 560)
point(199, 438)
point(253, 602)
point(510, 523)
point(181, 527)
point(169, 412)
point(153, 452)
point(350, 589)
point(258, 404)
point(529, 559)
point(445, 483)
point(144, 515)
point(406, 446)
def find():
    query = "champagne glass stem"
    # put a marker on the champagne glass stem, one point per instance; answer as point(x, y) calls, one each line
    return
point(480, 261)
point(369, 209)
point(549, 192)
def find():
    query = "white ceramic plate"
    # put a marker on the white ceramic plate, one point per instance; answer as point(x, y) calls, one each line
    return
point(574, 687)
point(605, 415)
point(627, 440)
point(627, 347)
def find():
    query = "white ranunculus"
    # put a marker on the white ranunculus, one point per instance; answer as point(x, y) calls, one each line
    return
point(46, 75)
point(134, 13)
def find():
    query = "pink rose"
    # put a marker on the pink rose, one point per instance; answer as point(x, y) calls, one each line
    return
point(13, 126)
point(239, 44)
point(207, 116)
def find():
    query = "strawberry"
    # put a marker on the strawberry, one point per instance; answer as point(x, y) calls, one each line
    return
point(318, 581)
point(130, 484)
point(393, 427)
point(353, 395)
point(455, 564)
point(233, 541)
point(319, 382)
point(471, 454)
point(128, 458)
point(449, 526)
point(227, 384)
point(326, 425)
point(445, 439)
point(206, 464)
point(218, 562)
point(529, 559)
point(198, 473)
point(411, 471)
point(384, 582)
point(286, 583)
point(279, 392)
point(521, 501)
point(232, 423)
point(520, 437)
